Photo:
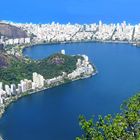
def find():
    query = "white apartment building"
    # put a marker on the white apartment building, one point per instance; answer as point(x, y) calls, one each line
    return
point(8, 90)
point(39, 80)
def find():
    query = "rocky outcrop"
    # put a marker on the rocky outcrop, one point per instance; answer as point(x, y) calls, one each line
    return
point(5, 59)
point(11, 31)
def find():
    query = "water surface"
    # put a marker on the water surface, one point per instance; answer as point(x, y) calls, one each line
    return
point(53, 114)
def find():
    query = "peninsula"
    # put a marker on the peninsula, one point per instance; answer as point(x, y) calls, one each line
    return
point(21, 76)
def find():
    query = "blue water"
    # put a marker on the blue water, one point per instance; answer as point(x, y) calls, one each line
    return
point(53, 114)
point(74, 11)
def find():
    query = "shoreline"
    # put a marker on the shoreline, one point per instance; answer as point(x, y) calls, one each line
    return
point(55, 34)
point(22, 47)
point(13, 99)
point(66, 79)
point(72, 42)
point(19, 48)
point(83, 41)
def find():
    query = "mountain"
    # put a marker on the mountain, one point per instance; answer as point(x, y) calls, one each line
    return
point(11, 31)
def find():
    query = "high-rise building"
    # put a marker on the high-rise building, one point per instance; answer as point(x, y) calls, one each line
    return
point(13, 89)
point(28, 84)
point(8, 90)
point(35, 77)
point(1, 85)
point(34, 86)
point(1, 39)
point(1, 100)
point(23, 86)
point(2, 92)
point(19, 89)
point(41, 81)
point(27, 40)
point(38, 79)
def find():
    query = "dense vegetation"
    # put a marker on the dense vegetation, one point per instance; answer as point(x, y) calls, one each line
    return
point(124, 126)
point(50, 67)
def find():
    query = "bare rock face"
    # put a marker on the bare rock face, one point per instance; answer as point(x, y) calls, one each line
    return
point(56, 59)
point(6, 59)
point(10, 31)
point(3, 61)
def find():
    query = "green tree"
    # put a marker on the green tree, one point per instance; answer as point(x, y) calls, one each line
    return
point(123, 126)
point(50, 67)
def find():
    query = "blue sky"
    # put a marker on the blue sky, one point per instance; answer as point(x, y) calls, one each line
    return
point(70, 10)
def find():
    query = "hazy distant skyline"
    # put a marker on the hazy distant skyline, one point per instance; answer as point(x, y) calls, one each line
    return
point(81, 11)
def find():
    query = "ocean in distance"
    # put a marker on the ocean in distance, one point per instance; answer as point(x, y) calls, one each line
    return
point(53, 114)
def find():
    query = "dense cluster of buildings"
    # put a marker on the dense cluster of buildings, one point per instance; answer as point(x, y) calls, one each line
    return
point(38, 82)
point(83, 68)
point(56, 32)
point(24, 86)
point(14, 41)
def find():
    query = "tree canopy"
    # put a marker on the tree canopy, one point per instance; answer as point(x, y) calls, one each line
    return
point(50, 67)
point(123, 126)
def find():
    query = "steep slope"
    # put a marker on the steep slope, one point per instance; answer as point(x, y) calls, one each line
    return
point(10, 31)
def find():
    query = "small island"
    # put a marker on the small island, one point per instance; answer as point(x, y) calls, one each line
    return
point(21, 76)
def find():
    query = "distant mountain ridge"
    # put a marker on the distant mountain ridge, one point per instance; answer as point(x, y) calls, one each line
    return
point(10, 31)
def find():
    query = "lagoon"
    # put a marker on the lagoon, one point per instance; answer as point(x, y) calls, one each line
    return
point(53, 114)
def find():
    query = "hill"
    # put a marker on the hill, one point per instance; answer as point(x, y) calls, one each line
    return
point(53, 66)
point(10, 31)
